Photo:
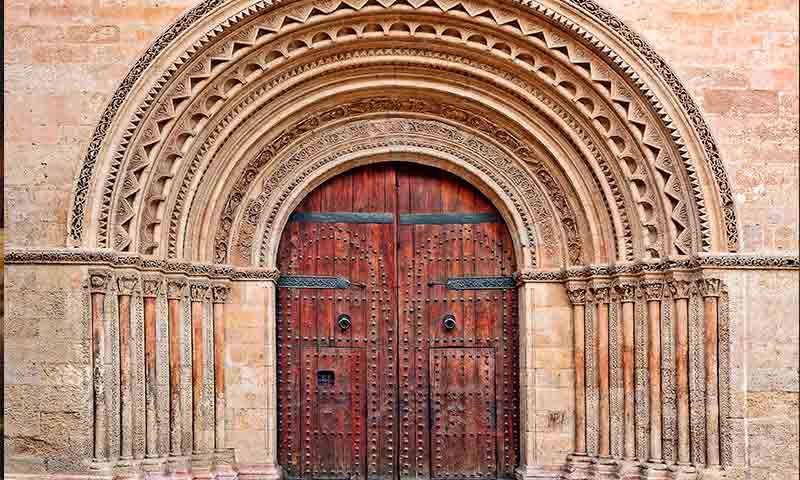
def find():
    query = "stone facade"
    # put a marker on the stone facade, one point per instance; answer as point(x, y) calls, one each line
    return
point(615, 257)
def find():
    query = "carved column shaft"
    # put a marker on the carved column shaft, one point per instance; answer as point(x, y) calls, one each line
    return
point(221, 294)
point(629, 437)
point(578, 297)
point(98, 284)
point(151, 288)
point(126, 287)
point(710, 291)
point(653, 293)
point(681, 294)
point(174, 290)
point(198, 296)
point(604, 417)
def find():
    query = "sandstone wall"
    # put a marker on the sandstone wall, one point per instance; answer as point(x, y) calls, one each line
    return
point(738, 58)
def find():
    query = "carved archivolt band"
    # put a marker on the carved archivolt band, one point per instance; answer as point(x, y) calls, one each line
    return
point(648, 164)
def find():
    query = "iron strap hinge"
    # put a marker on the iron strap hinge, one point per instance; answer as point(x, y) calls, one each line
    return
point(315, 281)
point(476, 283)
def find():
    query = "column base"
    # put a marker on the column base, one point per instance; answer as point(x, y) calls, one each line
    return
point(683, 471)
point(224, 460)
point(180, 466)
point(604, 468)
point(264, 471)
point(578, 467)
point(655, 470)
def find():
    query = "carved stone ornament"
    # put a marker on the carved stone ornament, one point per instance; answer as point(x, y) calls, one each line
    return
point(577, 295)
point(151, 286)
point(709, 287)
point(252, 69)
point(175, 288)
point(127, 284)
point(601, 294)
point(681, 289)
point(652, 290)
point(199, 292)
point(221, 293)
point(626, 291)
point(99, 281)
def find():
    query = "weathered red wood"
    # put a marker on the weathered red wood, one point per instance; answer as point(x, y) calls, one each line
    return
point(396, 325)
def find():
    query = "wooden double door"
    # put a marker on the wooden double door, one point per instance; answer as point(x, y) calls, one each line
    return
point(397, 331)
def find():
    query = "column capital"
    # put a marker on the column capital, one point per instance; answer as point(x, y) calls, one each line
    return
point(652, 290)
point(99, 281)
point(272, 275)
point(151, 286)
point(220, 293)
point(680, 288)
point(199, 291)
point(577, 294)
point(175, 288)
point(626, 291)
point(128, 284)
point(709, 287)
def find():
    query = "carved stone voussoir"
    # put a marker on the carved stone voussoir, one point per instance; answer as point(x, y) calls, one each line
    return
point(199, 292)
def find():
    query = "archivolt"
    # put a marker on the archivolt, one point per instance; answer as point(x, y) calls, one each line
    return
point(614, 169)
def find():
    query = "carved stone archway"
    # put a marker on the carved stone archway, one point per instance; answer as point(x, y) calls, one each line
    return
point(584, 139)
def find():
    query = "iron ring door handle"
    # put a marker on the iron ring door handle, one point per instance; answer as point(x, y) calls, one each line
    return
point(449, 321)
point(344, 321)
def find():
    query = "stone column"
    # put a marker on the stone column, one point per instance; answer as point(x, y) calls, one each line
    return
point(175, 289)
point(601, 298)
point(220, 295)
point(653, 291)
point(577, 297)
point(151, 287)
point(710, 290)
point(199, 295)
point(98, 285)
point(681, 290)
point(627, 295)
point(127, 284)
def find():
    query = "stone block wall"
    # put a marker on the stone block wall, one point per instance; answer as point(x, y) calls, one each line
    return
point(764, 375)
point(47, 370)
point(738, 58)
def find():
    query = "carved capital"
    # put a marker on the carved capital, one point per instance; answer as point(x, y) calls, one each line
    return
point(626, 291)
point(175, 288)
point(652, 290)
point(680, 288)
point(221, 293)
point(577, 295)
point(199, 292)
point(127, 284)
point(99, 281)
point(709, 287)
point(151, 286)
point(601, 294)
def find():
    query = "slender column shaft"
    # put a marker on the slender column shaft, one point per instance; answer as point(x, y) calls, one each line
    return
point(197, 374)
point(603, 372)
point(682, 376)
point(654, 367)
point(98, 365)
point(126, 414)
point(578, 319)
point(712, 392)
point(219, 376)
point(151, 380)
point(629, 442)
point(175, 414)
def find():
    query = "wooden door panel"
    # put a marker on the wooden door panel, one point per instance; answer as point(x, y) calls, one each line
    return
point(397, 234)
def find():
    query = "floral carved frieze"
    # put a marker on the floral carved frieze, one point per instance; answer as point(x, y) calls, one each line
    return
point(629, 128)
